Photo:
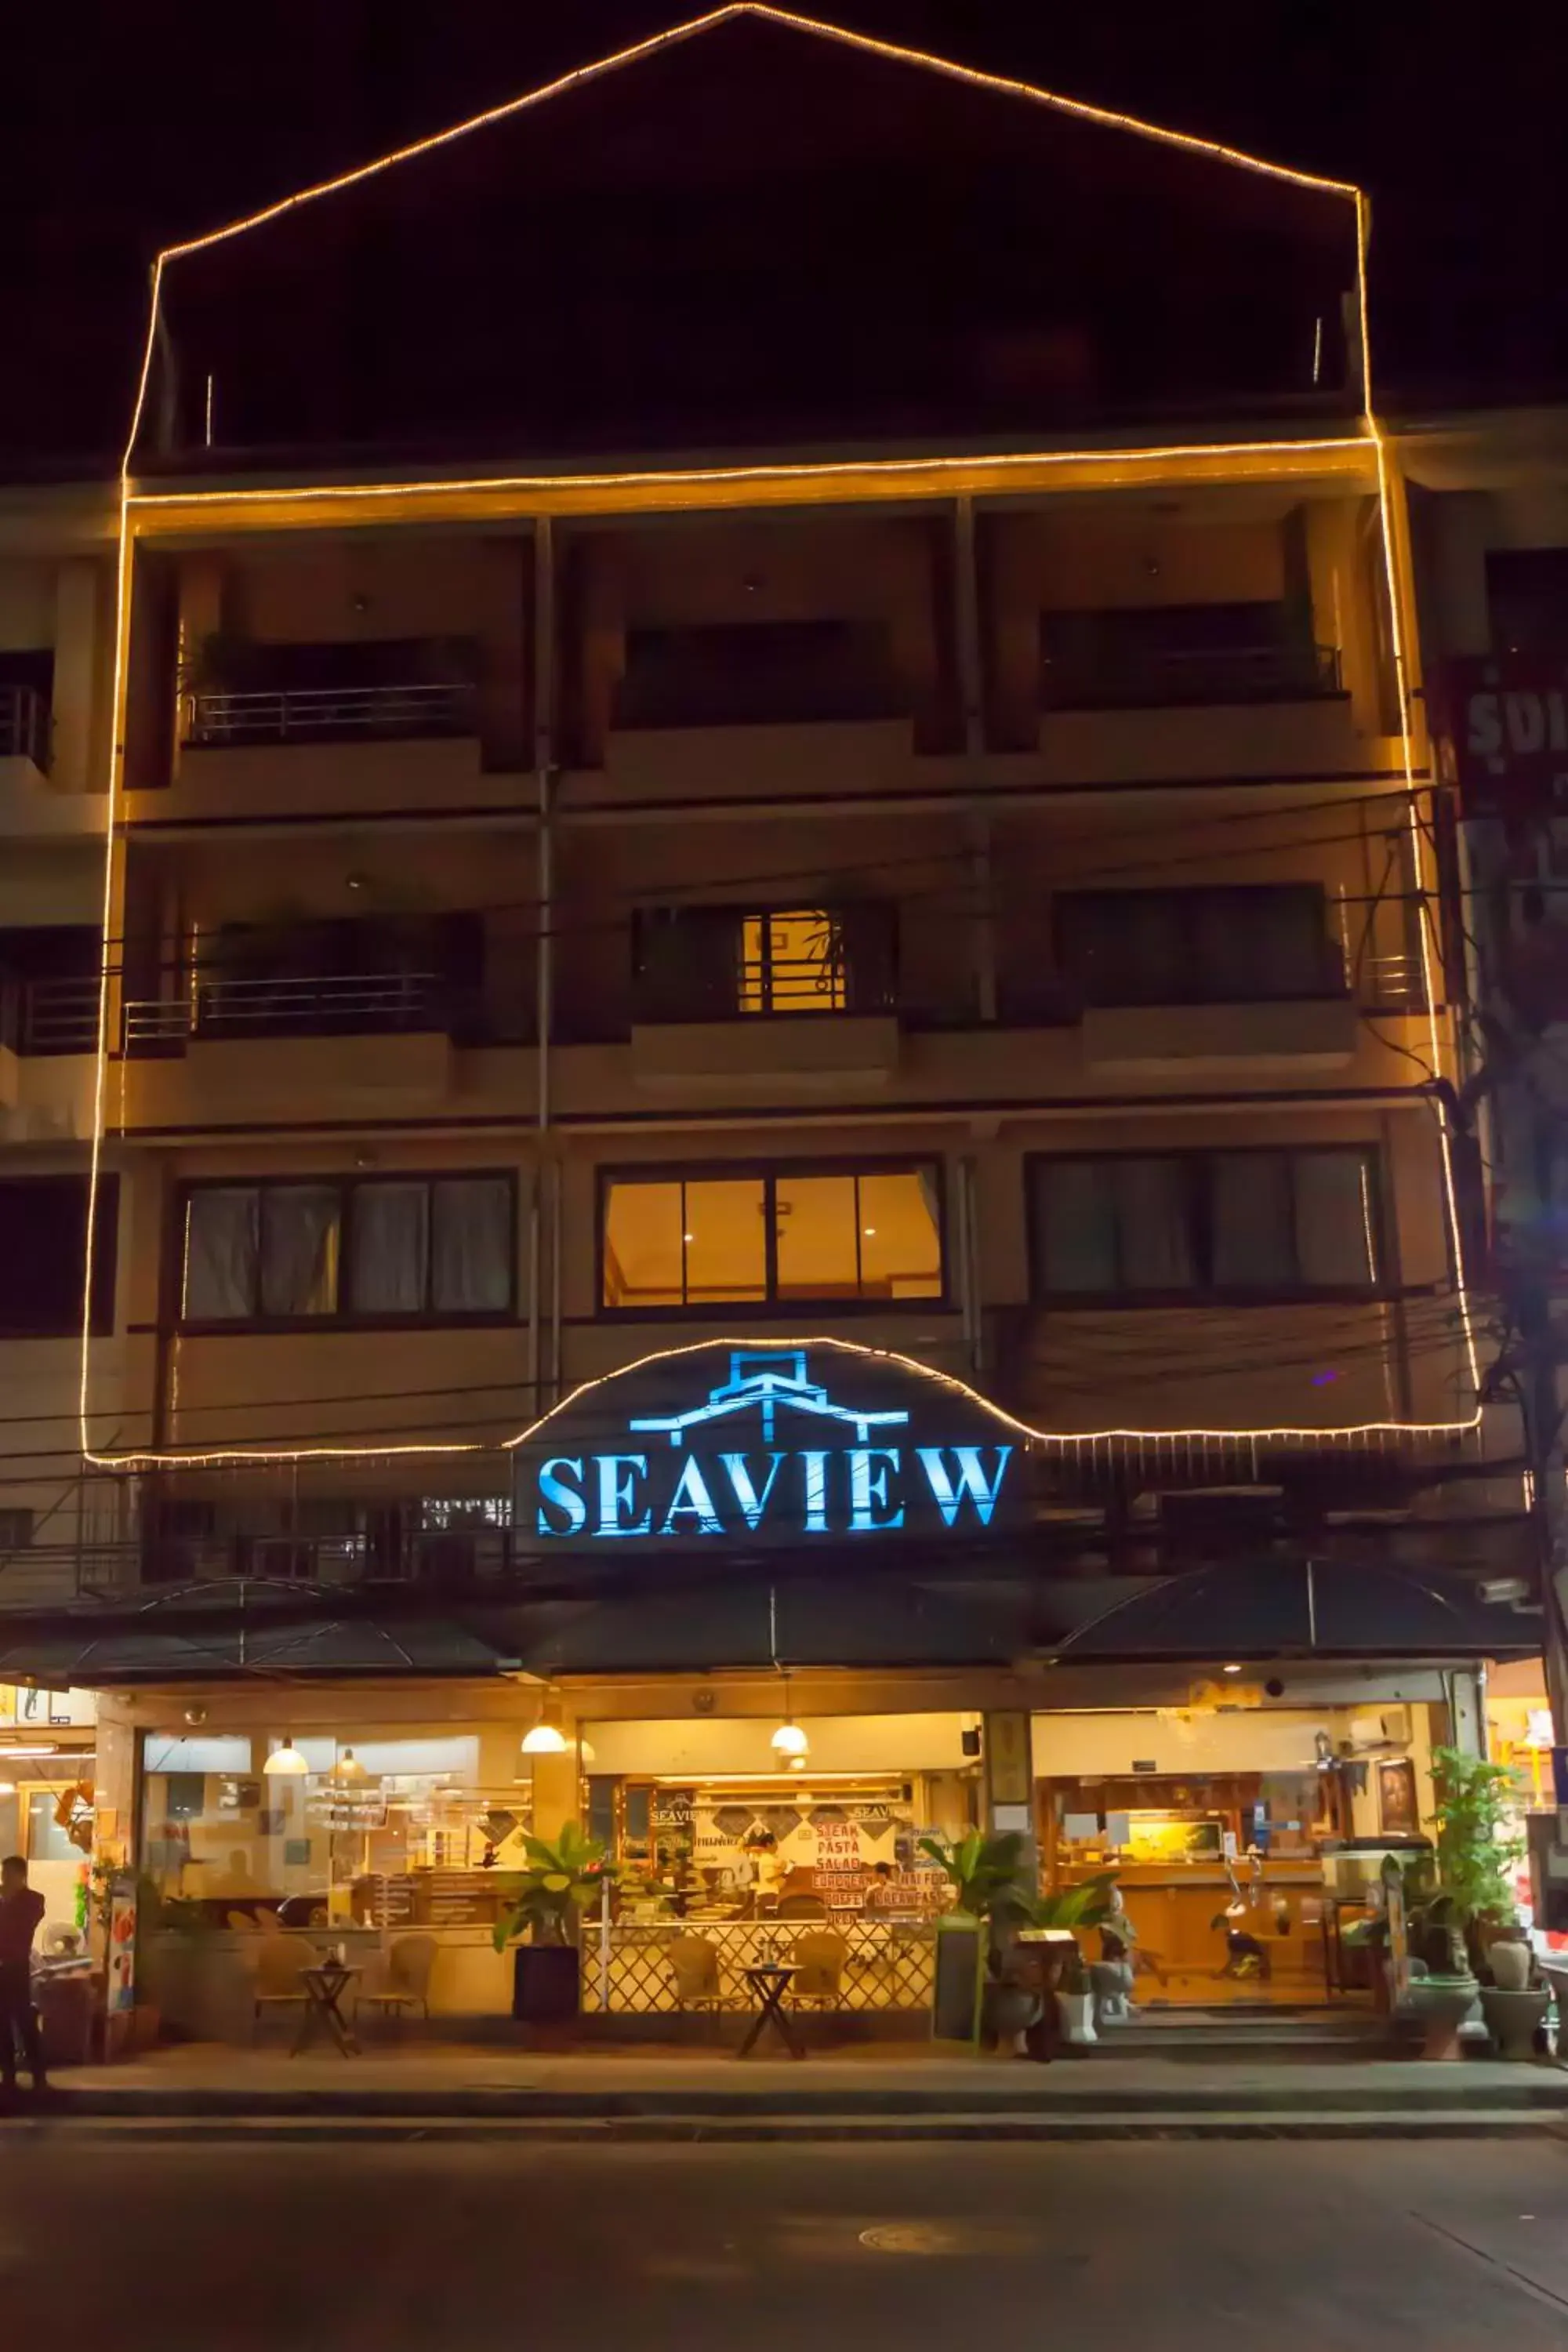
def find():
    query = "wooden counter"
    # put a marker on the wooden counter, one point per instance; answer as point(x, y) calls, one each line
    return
point(1173, 1906)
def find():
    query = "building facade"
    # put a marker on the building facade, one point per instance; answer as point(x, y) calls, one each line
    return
point(748, 1069)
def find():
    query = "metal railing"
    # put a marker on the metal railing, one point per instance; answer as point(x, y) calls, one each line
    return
point(24, 725)
point(1169, 678)
point(350, 1004)
point(772, 985)
point(49, 1016)
point(304, 714)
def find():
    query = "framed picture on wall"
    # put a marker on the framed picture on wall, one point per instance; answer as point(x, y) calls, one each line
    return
point(1397, 1815)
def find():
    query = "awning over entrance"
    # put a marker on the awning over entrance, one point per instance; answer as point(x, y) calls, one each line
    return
point(1291, 1608)
point(854, 1618)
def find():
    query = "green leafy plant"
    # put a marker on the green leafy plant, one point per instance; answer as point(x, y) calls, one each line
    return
point(1087, 1904)
point(1476, 1855)
point(985, 1873)
point(560, 1883)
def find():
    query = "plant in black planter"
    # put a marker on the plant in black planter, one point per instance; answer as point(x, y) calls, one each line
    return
point(561, 1882)
point(986, 1877)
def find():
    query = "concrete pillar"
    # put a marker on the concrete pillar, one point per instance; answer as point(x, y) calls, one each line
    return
point(77, 621)
point(556, 1795)
point(1468, 1709)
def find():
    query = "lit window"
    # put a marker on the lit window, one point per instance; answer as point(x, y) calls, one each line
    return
point(706, 1241)
point(793, 963)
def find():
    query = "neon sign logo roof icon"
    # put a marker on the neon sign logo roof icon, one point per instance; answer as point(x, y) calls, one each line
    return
point(763, 1383)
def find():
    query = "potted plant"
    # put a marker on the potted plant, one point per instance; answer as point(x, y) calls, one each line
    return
point(1475, 1857)
point(1064, 1911)
point(985, 1873)
point(545, 1918)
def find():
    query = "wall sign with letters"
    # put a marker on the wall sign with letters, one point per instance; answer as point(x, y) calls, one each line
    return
point(762, 1444)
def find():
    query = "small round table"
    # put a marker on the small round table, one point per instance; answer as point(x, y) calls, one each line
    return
point(771, 1981)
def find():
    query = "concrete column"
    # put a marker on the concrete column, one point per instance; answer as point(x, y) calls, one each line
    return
point(75, 665)
point(1468, 1709)
point(557, 1798)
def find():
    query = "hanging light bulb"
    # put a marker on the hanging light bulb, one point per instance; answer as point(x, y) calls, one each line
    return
point(286, 1763)
point(544, 1739)
point(789, 1740)
point(348, 1770)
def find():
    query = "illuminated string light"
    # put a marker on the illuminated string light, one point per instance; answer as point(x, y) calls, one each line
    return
point(788, 473)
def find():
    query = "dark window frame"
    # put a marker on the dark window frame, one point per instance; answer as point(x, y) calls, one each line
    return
point(768, 1172)
point(867, 964)
point(1197, 1166)
point(1186, 904)
point(343, 1318)
point(100, 1314)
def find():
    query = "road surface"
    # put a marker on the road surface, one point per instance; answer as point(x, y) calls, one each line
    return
point(419, 2247)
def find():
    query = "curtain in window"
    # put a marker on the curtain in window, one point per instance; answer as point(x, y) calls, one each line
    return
point(1153, 1222)
point(222, 1228)
point(1334, 1221)
point(300, 1224)
point(1076, 1226)
point(389, 1249)
point(1254, 1248)
point(472, 1246)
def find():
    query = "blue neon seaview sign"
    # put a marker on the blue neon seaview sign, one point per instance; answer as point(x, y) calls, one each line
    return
point(767, 1454)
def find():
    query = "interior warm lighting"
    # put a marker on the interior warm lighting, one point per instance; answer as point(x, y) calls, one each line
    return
point(8, 1754)
point(789, 1740)
point(586, 1753)
point(1230, 1670)
point(348, 1769)
point(286, 1763)
point(7, 1788)
point(544, 1739)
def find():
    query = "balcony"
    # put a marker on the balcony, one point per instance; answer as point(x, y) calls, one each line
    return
point(329, 715)
point(322, 730)
point(1204, 691)
point(25, 726)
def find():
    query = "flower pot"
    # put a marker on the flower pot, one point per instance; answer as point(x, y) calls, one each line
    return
point(1513, 2017)
point(1076, 2011)
point(1113, 1984)
point(544, 1983)
point(1510, 1959)
point(1010, 2010)
point(1440, 2005)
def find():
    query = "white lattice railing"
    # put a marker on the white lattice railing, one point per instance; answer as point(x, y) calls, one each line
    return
point(890, 1965)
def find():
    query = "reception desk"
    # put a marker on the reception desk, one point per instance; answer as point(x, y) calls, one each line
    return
point(1173, 1907)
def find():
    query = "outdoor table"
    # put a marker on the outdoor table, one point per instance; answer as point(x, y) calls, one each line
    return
point(770, 1983)
point(325, 1986)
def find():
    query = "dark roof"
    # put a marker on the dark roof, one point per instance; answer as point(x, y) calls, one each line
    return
point(758, 235)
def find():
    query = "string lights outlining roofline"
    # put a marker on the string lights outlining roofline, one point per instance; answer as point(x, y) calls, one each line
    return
point(1106, 118)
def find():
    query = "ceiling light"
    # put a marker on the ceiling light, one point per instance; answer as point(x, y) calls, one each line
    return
point(348, 1770)
point(789, 1740)
point(1230, 1670)
point(7, 1753)
point(7, 1788)
point(870, 1231)
point(544, 1739)
point(286, 1763)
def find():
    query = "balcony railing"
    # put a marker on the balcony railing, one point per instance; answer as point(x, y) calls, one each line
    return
point(1171, 678)
point(24, 725)
point(352, 1004)
point(49, 1016)
point(216, 721)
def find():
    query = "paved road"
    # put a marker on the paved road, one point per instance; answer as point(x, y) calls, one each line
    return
point(416, 2248)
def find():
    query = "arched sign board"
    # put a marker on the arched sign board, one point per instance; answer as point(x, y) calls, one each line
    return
point(758, 1444)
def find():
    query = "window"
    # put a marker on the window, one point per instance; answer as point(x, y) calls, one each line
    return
point(1186, 1223)
point(43, 1263)
point(701, 1238)
point(1198, 947)
point(407, 1248)
point(711, 964)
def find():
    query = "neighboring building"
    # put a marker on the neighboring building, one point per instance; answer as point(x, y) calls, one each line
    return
point(853, 811)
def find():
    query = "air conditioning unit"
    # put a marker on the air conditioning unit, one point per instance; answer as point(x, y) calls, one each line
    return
point(1389, 1730)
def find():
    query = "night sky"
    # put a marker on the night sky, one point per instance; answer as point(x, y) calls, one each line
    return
point(122, 129)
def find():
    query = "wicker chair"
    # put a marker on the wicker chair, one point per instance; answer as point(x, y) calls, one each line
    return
point(819, 1959)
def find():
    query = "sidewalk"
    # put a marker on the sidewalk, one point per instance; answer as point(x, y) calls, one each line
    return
point(865, 2092)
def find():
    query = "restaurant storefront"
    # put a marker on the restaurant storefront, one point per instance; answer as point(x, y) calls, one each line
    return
point(774, 1616)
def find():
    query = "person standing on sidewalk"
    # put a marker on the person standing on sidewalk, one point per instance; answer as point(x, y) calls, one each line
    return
point(21, 1909)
